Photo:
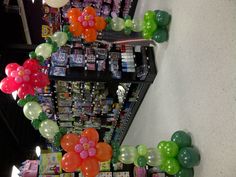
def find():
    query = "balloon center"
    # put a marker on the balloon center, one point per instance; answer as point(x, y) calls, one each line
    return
point(86, 146)
point(21, 73)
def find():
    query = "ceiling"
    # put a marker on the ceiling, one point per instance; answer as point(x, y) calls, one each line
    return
point(17, 136)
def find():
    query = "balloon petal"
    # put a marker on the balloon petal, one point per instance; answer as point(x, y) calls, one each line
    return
point(91, 134)
point(69, 141)
point(103, 152)
point(70, 162)
point(11, 67)
point(8, 85)
point(90, 167)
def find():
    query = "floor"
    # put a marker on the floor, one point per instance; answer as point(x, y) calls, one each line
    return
point(195, 89)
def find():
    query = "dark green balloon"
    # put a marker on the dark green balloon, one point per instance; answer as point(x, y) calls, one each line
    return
point(161, 35)
point(49, 40)
point(21, 102)
point(32, 54)
point(185, 172)
point(189, 157)
point(181, 138)
point(69, 35)
point(54, 46)
point(66, 28)
point(36, 123)
point(162, 18)
point(141, 161)
point(127, 31)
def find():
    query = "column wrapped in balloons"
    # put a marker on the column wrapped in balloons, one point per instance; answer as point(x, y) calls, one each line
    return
point(84, 152)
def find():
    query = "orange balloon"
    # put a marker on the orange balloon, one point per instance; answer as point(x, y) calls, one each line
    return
point(69, 141)
point(91, 134)
point(103, 152)
point(90, 167)
point(90, 35)
point(76, 29)
point(100, 23)
point(73, 14)
point(70, 162)
point(89, 10)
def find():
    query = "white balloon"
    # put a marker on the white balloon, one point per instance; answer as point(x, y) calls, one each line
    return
point(44, 50)
point(56, 3)
point(48, 129)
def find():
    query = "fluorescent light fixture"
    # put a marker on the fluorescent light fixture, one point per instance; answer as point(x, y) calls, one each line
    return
point(32, 1)
point(15, 171)
point(43, 1)
point(14, 95)
point(38, 150)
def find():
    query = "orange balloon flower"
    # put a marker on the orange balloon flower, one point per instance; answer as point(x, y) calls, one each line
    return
point(85, 23)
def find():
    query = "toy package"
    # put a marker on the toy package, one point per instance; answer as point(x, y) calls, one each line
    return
point(121, 174)
point(105, 174)
point(50, 163)
point(29, 168)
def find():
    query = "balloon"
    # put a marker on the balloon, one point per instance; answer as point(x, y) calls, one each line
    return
point(142, 149)
point(25, 89)
point(73, 14)
point(127, 31)
point(128, 23)
point(70, 162)
point(91, 134)
point(137, 25)
point(149, 15)
point(162, 18)
point(39, 80)
point(89, 10)
point(153, 157)
point(160, 35)
point(76, 29)
point(185, 172)
point(56, 3)
point(90, 167)
point(127, 154)
point(147, 34)
point(48, 128)
point(189, 157)
point(171, 149)
point(100, 23)
point(90, 35)
point(141, 161)
point(104, 152)
point(44, 50)
point(161, 146)
point(150, 26)
point(32, 110)
point(33, 65)
point(11, 67)
point(181, 138)
point(69, 141)
point(171, 166)
point(8, 85)
point(60, 38)
point(117, 24)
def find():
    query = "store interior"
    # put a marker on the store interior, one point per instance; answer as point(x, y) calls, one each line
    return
point(192, 87)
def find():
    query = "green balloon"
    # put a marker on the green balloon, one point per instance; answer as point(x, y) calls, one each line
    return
point(150, 26)
point(162, 18)
point(127, 154)
point(117, 24)
point(181, 138)
point(127, 31)
point(44, 50)
point(128, 23)
point(161, 146)
point(185, 172)
point(141, 161)
point(32, 110)
point(153, 157)
point(60, 38)
point(54, 46)
point(36, 123)
point(142, 149)
point(147, 34)
point(149, 15)
point(189, 157)
point(137, 25)
point(161, 35)
point(48, 129)
point(171, 149)
point(171, 166)
point(32, 54)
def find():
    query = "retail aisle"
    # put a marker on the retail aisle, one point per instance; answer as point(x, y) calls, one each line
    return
point(195, 89)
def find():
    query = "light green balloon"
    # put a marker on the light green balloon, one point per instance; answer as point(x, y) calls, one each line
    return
point(128, 23)
point(137, 25)
point(32, 110)
point(153, 157)
point(44, 49)
point(142, 149)
point(117, 24)
point(127, 154)
point(48, 129)
point(60, 38)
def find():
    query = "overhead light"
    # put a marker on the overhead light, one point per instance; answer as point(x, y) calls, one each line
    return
point(14, 95)
point(38, 150)
point(15, 171)
point(32, 1)
point(43, 1)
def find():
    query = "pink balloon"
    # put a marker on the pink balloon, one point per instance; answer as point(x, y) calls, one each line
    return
point(91, 23)
point(33, 65)
point(83, 140)
point(27, 71)
point(20, 68)
point(26, 78)
point(14, 73)
point(11, 67)
point(8, 85)
point(91, 143)
point(84, 154)
point(85, 23)
point(92, 152)
point(78, 148)
point(24, 90)
point(18, 79)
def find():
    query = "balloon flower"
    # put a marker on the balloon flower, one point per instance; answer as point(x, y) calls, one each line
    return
point(85, 23)
point(23, 79)
point(84, 152)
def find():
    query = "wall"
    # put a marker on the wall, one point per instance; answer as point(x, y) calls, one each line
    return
point(195, 89)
